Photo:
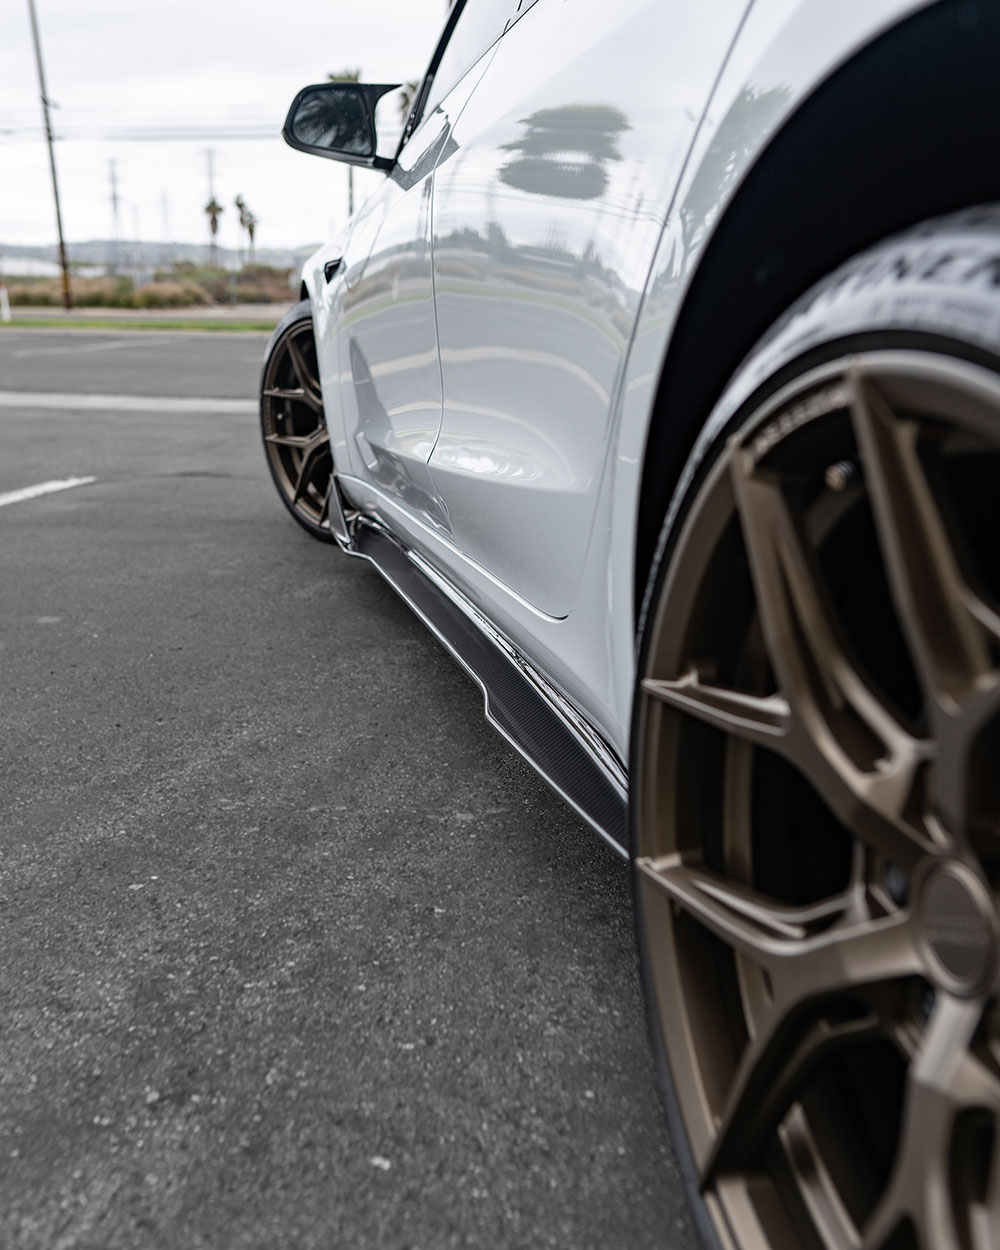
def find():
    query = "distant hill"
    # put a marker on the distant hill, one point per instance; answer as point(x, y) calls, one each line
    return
point(148, 255)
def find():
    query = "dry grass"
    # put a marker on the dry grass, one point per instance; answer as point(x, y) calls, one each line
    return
point(184, 286)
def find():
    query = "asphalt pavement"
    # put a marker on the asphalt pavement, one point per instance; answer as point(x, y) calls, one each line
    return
point(294, 950)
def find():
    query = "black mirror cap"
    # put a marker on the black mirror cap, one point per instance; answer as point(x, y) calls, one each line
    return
point(367, 96)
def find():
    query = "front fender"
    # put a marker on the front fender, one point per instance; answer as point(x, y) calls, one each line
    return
point(785, 49)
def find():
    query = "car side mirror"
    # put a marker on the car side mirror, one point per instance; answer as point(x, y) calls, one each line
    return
point(337, 120)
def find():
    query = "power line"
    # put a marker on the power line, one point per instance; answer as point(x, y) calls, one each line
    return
point(141, 134)
point(167, 133)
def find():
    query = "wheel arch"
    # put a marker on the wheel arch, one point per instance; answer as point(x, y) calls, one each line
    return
point(913, 116)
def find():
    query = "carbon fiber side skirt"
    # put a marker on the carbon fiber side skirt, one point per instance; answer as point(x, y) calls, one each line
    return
point(533, 717)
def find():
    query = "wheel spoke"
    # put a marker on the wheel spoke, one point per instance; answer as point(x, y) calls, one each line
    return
point(986, 1219)
point(953, 635)
point(810, 954)
point(744, 919)
point(813, 670)
point(310, 387)
point(763, 721)
point(807, 951)
point(292, 392)
point(838, 732)
point(949, 632)
point(966, 800)
point(312, 456)
point(825, 997)
point(945, 1078)
point(293, 440)
point(774, 1069)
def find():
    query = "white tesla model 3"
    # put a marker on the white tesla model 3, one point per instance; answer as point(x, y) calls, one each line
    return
point(660, 377)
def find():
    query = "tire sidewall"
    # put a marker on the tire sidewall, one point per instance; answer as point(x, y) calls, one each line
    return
point(302, 311)
point(934, 288)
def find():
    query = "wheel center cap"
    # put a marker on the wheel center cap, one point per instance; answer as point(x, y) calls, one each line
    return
point(958, 925)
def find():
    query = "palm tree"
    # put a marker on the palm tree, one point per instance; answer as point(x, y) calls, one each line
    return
point(244, 212)
point(406, 94)
point(348, 75)
point(213, 208)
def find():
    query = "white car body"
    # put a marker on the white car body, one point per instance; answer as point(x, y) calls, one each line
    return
point(552, 460)
point(491, 345)
point(660, 378)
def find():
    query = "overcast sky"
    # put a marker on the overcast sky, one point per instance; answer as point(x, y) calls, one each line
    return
point(113, 64)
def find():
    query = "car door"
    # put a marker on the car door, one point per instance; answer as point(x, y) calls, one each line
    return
point(547, 213)
point(388, 352)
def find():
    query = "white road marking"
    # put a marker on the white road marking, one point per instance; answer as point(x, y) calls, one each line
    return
point(43, 488)
point(27, 352)
point(74, 401)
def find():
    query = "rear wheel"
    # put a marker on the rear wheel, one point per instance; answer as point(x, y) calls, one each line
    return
point(815, 770)
point(293, 425)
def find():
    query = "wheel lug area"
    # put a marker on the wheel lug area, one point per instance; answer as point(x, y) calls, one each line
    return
point(926, 1000)
point(840, 475)
point(957, 928)
point(896, 884)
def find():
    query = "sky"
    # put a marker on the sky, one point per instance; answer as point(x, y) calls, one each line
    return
point(115, 67)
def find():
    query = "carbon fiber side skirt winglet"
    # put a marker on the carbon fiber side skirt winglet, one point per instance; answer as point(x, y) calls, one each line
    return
point(532, 716)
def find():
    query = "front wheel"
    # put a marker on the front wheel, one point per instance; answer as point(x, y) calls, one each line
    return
point(293, 425)
point(817, 799)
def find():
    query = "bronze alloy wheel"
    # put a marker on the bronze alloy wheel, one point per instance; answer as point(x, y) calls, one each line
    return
point(818, 844)
point(293, 425)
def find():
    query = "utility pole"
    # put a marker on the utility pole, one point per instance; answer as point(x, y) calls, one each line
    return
point(165, 249)
point(116, 229)
point(64, 263)
point(136, 249)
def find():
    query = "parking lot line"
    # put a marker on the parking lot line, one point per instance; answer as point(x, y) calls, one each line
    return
point(71, 349)
point(79, 402)
point(43, 488)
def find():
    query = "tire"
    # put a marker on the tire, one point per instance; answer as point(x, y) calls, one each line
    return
point(816, 812)
point(293, 425)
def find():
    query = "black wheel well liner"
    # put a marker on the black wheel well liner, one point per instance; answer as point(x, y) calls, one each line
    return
point(303, 291)
point(906, 130)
